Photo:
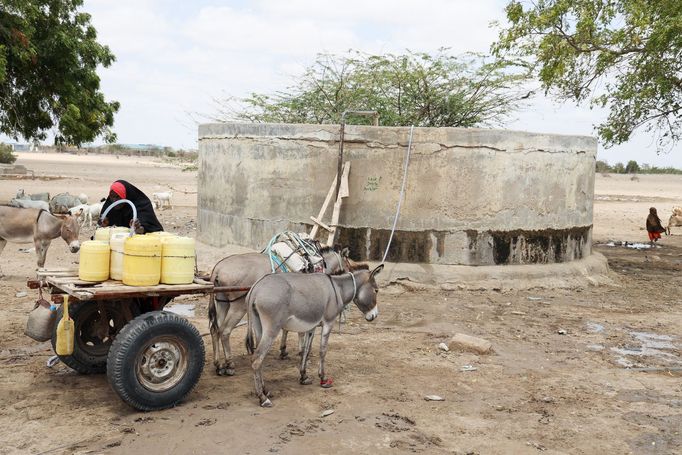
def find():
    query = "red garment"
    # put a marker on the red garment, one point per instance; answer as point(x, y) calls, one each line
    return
point(654, 236)
point(118, 188)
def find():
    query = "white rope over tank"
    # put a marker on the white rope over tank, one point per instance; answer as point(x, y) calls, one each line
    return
point(402, 193)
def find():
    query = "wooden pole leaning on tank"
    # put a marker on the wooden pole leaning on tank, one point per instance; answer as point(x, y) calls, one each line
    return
point(343, 192)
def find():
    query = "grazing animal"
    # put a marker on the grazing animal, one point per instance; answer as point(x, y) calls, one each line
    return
point(93, 212)
point(87, 213)
point(673, 221)
point(18, 225)
point(226, 309)
point(161, 199)
point(79, 212)
point(29, 204)
point(299, 302)
point(61, 203)
point(34, 197)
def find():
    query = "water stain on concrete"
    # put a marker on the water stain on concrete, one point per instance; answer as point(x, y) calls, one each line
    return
point(484, 247)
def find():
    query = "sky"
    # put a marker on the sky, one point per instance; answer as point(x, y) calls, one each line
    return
point(176, 57)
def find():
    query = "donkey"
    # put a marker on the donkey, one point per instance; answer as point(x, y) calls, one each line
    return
point(19, 225)
point(225, 310)
point(299, 303)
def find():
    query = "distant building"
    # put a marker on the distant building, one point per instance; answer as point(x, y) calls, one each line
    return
point(21, 147)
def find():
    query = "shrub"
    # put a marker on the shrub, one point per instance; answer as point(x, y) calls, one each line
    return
point(6, 155)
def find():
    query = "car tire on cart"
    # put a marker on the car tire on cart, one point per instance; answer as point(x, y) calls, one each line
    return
point(93, 336)
point(155, 361)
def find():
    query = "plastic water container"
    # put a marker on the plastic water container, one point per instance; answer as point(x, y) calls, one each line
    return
point(142, 260)
point(116, 263)
point(177, 260)
point(102, 234)
point(94, 261)
point(162, 234)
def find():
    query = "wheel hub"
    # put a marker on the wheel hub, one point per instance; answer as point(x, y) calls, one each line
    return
point(162, 364)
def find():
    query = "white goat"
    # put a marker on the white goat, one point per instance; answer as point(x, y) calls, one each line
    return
point(93, 211)
point(161, 199)
point(87, 213)
point(29, 204)
point(80, 212)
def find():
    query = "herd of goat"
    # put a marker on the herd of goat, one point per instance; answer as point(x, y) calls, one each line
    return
point(76, 206)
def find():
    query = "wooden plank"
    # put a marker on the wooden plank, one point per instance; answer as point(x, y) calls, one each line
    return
point(43, 273)
point(343, 193)
point(343, 189)
point(335, 221)
point(322, 211)
point(321, 224)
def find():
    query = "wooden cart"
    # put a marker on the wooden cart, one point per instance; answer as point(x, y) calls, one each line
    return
point(153, 358)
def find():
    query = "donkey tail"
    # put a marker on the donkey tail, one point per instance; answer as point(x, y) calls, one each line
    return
point(212, 314)
point(254, 327)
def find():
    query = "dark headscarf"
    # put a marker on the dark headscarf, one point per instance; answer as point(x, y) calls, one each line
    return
point(122, 214)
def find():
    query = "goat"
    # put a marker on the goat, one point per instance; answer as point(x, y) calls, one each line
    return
point(87, 213)
point(163, 198)
point(29, 204)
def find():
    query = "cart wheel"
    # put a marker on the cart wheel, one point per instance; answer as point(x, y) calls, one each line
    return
point(93, 336)
point(155, 361)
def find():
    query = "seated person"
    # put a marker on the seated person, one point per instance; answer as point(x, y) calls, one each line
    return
point(122, 214)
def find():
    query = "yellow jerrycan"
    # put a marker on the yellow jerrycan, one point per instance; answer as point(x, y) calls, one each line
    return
point(177, 260)
point(142, 260)
point(65, 331)
point(94, 261)
point(116, 263)
point(102, 234)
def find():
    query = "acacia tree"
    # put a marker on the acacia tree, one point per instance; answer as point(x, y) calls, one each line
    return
point(411, 89)
point(623, 55)
point(49, 55)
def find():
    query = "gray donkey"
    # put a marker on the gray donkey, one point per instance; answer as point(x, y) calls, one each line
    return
point(226, 309)
point(299, 303)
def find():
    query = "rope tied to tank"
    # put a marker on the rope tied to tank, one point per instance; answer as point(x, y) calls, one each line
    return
point(402, 193)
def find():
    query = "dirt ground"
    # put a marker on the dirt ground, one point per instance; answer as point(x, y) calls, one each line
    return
point(588, 370)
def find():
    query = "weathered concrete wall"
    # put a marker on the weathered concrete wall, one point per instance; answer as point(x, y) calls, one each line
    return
point(474, 196)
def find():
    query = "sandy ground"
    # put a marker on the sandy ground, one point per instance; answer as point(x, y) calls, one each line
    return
point(563, 378)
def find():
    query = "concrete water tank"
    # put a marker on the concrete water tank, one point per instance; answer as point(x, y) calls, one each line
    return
point(474, 196)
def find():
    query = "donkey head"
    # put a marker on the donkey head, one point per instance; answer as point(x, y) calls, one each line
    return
point(366, 294)
point(70, 231)
point(335, 261)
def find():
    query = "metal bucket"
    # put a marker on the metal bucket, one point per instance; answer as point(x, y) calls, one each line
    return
point(41, 321)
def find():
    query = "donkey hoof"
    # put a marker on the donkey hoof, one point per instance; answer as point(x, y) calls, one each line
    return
point(305, 381)
point(267, 403)
point(225, 371)
point(326, 383)
point(283, 355)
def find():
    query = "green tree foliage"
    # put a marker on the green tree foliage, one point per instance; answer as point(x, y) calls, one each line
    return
point(48, 59)
point(632, 167)
point(6, 155)
point(620, 54)
point(411, 89)
point(618, 168)
point(602, 166)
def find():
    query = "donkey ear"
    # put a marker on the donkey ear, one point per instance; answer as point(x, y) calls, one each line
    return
point(345, 252)
point(379, 268)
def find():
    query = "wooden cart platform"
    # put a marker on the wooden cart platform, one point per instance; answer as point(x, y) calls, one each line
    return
point(66, 281)
point(85, 290)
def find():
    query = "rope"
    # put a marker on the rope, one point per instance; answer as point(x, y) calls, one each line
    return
point(345, 306)
point(299, 244)
point(402, 194)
